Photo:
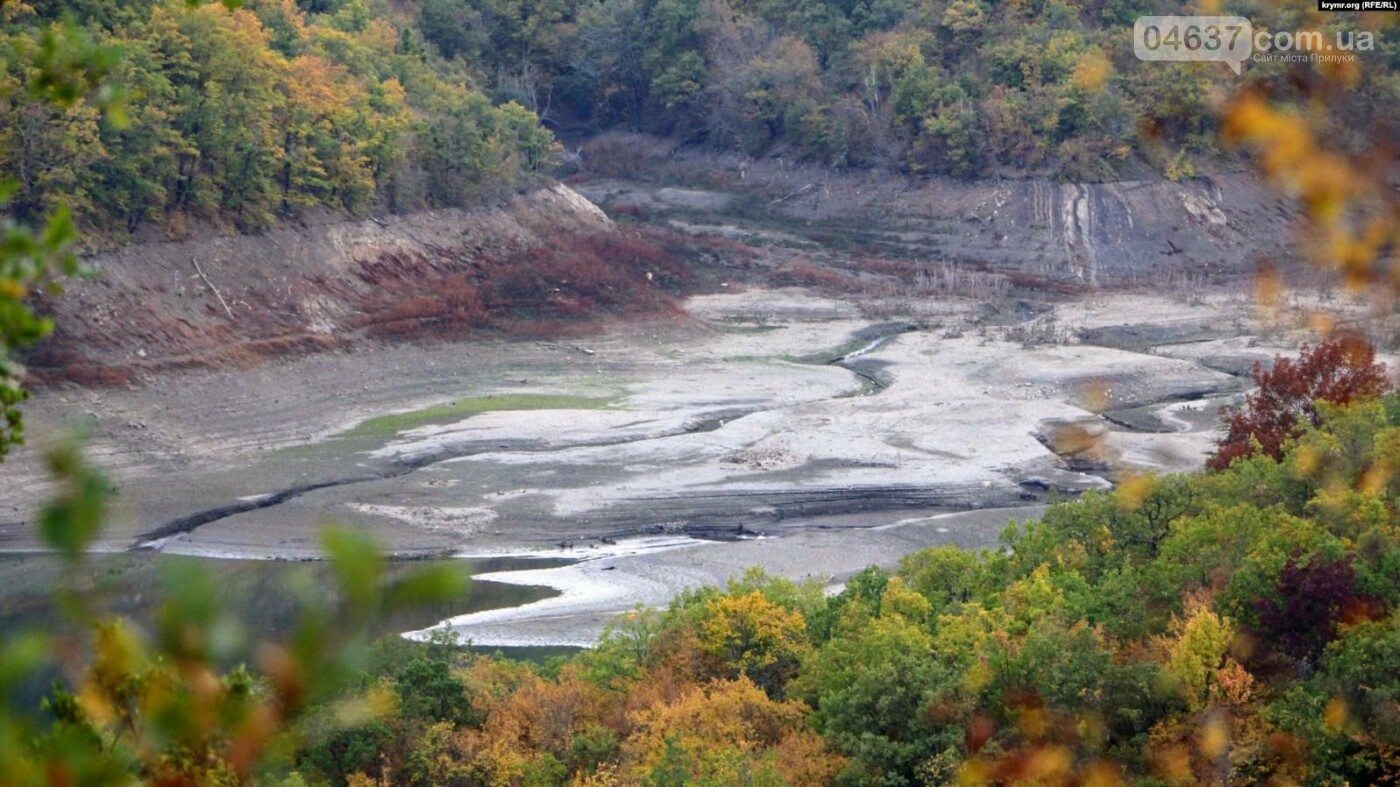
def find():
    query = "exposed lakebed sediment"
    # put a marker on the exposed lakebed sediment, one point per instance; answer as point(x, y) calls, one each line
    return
point(777, 428)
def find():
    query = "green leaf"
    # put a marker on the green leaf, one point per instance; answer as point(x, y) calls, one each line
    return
point(60, 230)
point(443, 582)
point(358, 565)
point(69, 523)
point(21, 657)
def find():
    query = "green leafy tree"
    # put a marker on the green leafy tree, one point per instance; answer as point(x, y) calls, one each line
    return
point(880, 694)
point(65, 66)
point(455, 27)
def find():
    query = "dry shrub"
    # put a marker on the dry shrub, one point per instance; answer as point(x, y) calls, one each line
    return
point(806, 274)
point(675, 241)
point(251, 353)
point(1044, 284)
point(88, 375)
point(550, 288)
point(555, 288)
point(895, 277)
point(615, 155)
point(578, 276)
point(449, 307)
point(632, 209)
point(1045, 331)
point(915, 279)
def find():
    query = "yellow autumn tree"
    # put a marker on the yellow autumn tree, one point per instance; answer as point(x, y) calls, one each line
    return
point(728, 732)
point(751, 636)
point(1196, 653)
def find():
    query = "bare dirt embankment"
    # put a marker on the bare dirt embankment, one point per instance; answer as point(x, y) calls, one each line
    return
point(539, 263)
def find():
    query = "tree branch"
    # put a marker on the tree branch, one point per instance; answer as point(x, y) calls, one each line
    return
point(215, 290)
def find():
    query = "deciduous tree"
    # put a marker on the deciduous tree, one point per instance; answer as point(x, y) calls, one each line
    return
point(1337, 370)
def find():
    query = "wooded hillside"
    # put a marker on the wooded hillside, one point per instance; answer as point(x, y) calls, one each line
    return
point(242, 116)
point(961, 87)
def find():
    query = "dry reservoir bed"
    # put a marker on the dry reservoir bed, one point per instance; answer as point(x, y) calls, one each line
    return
point(776, 428)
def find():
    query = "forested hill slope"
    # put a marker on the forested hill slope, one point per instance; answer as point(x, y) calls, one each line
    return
point(969, 88)
point(241, 116)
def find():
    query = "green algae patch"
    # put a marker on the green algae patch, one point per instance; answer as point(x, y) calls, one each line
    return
point(393, 423)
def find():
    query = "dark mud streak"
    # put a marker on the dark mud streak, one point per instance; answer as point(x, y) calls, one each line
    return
point(730, 515)
point(871, 372)
point(871, 378)
point(400, 467)
point(1128, 419)
point(188, 523)
point(1131, 426)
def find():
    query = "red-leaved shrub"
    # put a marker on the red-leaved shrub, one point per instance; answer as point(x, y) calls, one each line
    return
point(1311, 599)
point(1338, 370)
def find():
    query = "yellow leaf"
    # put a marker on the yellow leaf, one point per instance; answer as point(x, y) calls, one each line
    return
point(1215, 738)
point(1334, 715)
point(95, 706)
point(1134, 489)
point(1092, 70)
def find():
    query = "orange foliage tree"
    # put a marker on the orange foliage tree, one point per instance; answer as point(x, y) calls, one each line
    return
point(728, 732)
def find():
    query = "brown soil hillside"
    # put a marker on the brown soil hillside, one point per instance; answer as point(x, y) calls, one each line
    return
point(540, 263)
